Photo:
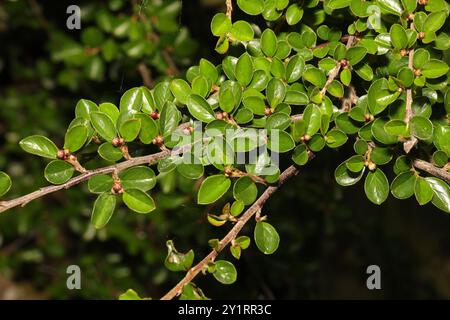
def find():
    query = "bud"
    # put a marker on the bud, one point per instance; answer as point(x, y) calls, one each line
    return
point(403, 52)
point(116, 142)
point(228, 171)
point(60, 154)
point(219, 115)
point(117, 187)
point(421, 35)
point(154, 115)
point(344, 63)
point(158, 140)
point(417, 72)
point(372, 166)
point(268, 111)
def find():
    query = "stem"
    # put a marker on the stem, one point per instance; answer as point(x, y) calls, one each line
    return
point(410, 143)
point(432, 169)
point(232, 234)
point(146, 75)
point(229, 5)
point(335, 71)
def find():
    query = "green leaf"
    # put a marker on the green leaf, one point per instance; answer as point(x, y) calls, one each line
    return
point(434, 69)
point(434, 21)
point(294, 69)
point(315, 76)
point(266, 237)
point(190, 166)
point(379, 97)
point(391, 6)
point(100, 183)
point(279, 121)
point(149, 128)
point(58, 172)
point(245, 190)
point(345, 76)
point(421, 56)
point(208, 70)
point(255, 104)
point(139, 177)
point(244, 69)
point(355, 54)
point(177, 261)
point(130, 294)
point(200, 109)
point(402, 187)
point(131, 100)
point(441, 193)
point(104, 126)
point(280, 141)
point(422, 127)
point(84, 108)
point(213, 188)
point(335, 138)
point(103, 210)
point(376, 186)
point(300, 155)
point(396, 128)
point(251, 7)
point(406, 76)
point(312, 118)
point(242, 31)
point(75, 138)
point(345, 177)
point(355, 163)
point(192, 292)
point(110, 109)
point(294, 14)
point(338, 4)
point(138, 201)
point(169, 118)
point(423, 191)
point(220, 24)
point(108, 152)
point(224, 272)
point(180, 90)
point(399, 39)
point(129, 129)
point(336, 89)
point(269, 43)
point(5, 183)
point(275, 91)
point(40, 146)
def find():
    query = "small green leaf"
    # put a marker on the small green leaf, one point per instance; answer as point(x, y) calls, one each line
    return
point(294, 69)
point(130, 294)
point(266, 237)
point(300, 155)
point(338, 4)
point(84, 108)
point(245, 190)
point(441, 193)
point(422, 191)
point(315, 76)
point(138, 201)
point(108, 152)
point(58, 172)
point(244, 69)
point(213, 188)
point(376, 186)
point(355, 54)
point(335, 138)
point(434, 21)
point(275, 91)
point(242, 31)
point(104, 126)
point(294, 14)
point(190, 166)
point(177, 261)
point(269, 43)
point(220, 24)
point(5, 183)
point(40, 146)
point(200, 109)
point(139, 177)
point(129, 129)
point(434, 68)
point(251, 7)
point(345, 177)
point(336, 89)
point(396, 128)
point(224, 272)
point(398, 35)
point(180, 90)
point(402, 187)
point(280, 141)
point(100, 183)
point(103, 210)
point(422, 127)
point(391, 6)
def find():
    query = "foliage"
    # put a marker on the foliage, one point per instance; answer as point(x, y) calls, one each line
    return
point(320, 82)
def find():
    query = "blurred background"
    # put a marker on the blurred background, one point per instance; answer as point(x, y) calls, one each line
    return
point(329, 235)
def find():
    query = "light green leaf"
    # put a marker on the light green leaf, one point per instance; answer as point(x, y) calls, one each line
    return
point(213, 188)
point(138, 201)
point(40, 146)
point(103, 210)
point(266, 237)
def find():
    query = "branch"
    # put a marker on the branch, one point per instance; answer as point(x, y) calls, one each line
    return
point(432, 169)
point(335, 71)
point(146, 75)
point(229, 4)
point(410, 143)
point(231, 235)
point(148, 159)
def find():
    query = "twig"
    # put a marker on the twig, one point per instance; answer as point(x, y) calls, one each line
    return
point(432, 169)
point(231, 235)
point(146, 75)
point(335, 71)
point(229, 4)
point(410, 143)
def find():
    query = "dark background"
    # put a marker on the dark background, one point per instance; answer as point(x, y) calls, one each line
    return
point(329, 235)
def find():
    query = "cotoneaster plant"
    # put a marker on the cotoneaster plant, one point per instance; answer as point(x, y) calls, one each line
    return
point(313, 76)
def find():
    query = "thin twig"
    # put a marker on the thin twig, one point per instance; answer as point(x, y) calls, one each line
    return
point(146, 75)
point(432, 169)
point(335, 71)
point(229, 4)
point(411, 142)
point(231, 235)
